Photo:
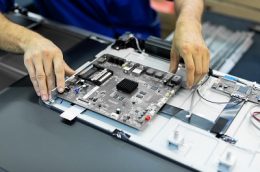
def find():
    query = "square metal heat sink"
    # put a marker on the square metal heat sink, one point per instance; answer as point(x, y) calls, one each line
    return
point(127, 86)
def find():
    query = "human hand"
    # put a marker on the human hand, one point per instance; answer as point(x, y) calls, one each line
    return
point(46, 67)
point(188, 44)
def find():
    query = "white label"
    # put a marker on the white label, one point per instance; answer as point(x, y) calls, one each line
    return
point(72, 112)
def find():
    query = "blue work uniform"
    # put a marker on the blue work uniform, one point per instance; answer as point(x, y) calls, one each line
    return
point(108, 17)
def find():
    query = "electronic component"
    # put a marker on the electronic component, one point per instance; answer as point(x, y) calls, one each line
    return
point(142, 92)
point(86, 73)
point(127, 67)
point(149, 71)
point(95, 74)
point(176, 79)
point(154, 88)
point(127, 86)
point(105, 86)
point(115, 60)
point(102, 59)
point(138, 70)
point(167, 78)
point(159, 75)
point(139, 96)
point(118, 111)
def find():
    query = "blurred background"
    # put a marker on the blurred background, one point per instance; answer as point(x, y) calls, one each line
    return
point(230, 28)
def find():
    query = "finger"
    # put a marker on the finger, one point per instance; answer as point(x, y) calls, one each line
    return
point(59, 73)
point(68, 71)
point(190, 69)
point(49, 72)
point(31, 70)
point(40, 77)
point(175, 59)
point(206, 62)
point(198, 60)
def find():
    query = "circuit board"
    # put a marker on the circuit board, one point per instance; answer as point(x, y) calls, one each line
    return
point(234, 89)
point(123, 90)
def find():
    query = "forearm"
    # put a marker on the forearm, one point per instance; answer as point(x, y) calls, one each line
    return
point(188, 42)
point(15, 38)
point(189, 10)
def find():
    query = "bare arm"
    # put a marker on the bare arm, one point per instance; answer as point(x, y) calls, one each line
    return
point(43, 60)
point(188, 41)
point(14, 38)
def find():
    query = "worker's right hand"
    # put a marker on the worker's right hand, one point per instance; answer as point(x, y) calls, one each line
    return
point(46, 67)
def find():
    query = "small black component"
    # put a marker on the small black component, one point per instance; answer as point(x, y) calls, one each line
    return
point(139, 96)
point(86, 74)
point(142, 92)
point(115, 96)
point(118, 111)
point(158, 75)
point(154, 88)
point(101, 59)
point(167, 78)
point(127, 86)
point(116, 60)
point(120, 135)
point(67, 89)
point(149, 71)
point(121, 98)
point(176, 80)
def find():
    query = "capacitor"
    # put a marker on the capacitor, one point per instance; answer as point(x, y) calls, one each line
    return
point(118, 111)
point(84, 86)
point(147, 117)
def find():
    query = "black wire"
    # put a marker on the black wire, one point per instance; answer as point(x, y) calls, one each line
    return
point(207, 99)
point(211, 100)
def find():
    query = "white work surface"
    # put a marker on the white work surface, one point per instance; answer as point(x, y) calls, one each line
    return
point(200, 149)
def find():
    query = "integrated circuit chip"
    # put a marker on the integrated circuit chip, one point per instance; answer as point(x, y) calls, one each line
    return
point(127, 86)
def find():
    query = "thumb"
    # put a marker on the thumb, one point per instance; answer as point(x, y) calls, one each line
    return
point(175, 59)
point(68, 70)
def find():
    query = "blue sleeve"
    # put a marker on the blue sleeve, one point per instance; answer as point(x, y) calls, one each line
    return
point(6, 5)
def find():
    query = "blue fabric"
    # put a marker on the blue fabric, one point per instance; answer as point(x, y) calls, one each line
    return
point(6, 5)
point(108, 17)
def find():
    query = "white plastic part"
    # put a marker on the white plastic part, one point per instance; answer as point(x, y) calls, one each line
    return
point(176, 139)
point(72, 112)
point(226, 162)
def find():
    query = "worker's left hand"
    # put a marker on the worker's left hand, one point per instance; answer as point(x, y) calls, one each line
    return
point(188, 44)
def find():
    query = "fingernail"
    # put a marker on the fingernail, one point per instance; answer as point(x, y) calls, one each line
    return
point(44, 97)
point(60, 89)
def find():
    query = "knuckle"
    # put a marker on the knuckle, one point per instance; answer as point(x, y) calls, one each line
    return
point(27, 60)
point(59, 70)
point(49, 76)
point(40, 77)
point(190, 67)
point(204, 72)
point(198, 72)
point(45, 52)
point(33, 78)
point(185, 48)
